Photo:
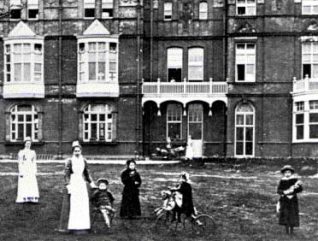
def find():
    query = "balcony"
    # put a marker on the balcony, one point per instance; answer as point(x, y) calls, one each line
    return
point(97, 89)
point(184, 92)
point(23, 90)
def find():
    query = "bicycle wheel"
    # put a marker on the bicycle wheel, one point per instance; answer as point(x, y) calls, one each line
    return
point(203, 224)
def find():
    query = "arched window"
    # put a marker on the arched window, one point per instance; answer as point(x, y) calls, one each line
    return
point(98, 123)
point(24, 121)
point(195, 121)
point(174, 64)
point(196, 64)
point(244, 130)
point(174, 121)
point(203, 10)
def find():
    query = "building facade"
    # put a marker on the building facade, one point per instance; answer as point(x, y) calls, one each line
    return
point(123, 76)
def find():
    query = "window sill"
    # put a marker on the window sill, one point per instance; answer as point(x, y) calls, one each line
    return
point(16, 143)
point(97, 143)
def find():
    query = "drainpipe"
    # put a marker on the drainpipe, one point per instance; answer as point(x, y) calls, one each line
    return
point(225, 58)
point(60, 59)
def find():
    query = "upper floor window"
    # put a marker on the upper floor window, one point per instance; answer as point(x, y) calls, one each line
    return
point(203, 11)
point(98, 123)
point(310, 59)
point(195, 65)
point(89, 8)
point(246, 7)
point(245, 62)
point(98, 60)
point(107, 9)
point(24, 121)
point(174, 64)
point(33, 9)
point(23, 61)
point(174, 121)
point(309, 6)
point(15, 9)
point(167, 11)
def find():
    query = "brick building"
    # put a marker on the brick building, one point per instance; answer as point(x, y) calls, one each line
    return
point(238, 76)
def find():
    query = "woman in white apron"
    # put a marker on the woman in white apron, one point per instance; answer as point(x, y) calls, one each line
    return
point(28, 191)
point(76, 175)
point(189, 149)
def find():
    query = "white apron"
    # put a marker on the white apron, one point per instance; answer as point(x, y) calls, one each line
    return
point(79, 218)
point(28, 190)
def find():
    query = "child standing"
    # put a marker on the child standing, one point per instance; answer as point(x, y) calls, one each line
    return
point(288, 188)
point(103, 200)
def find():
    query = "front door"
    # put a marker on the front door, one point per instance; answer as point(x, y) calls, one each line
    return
point(195, 128)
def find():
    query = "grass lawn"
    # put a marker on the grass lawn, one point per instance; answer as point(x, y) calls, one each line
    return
point(242, 201)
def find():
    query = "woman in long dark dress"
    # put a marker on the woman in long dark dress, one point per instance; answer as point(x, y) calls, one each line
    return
point(130, 205)
point(288, 188)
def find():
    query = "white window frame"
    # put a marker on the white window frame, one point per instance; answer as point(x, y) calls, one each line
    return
point(108, 123)
point(250, 8)
point(245, 57)
point(244, 126)
point(177, 108)
point(16, 5)
point(33, 5)
point(33, 43)
point(203, 10)
point(34, 123)
point(110, 57)
point(107, 4)
point(193, 62)
point(174, 60)
point(311, 5)
point(312, 58)
point(200, 121)
point(167, 10)
point(89, 4)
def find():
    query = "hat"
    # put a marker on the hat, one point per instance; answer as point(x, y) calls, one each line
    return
point(102, 180)
point(76, 144)
point(130, 161)
point(27, 139)
point(185, 176)
point(287, 168)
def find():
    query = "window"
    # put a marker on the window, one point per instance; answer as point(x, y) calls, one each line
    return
point(24, 122)
point(299, 120)
point(89, 8)
point(246, 7)
point(309, 6)
point(195, 121)
point(244, 130)
point(203, 11)
point(23, 61)
point(98, 61)
point(245, 62)
point(195, 64)
point(167, 11)
point(107, 8)
point(98, 123)
point(174, 121)
point(33, 9)
point(174, 64)
point(15, 9)
point(310, 59)
point(313, 119)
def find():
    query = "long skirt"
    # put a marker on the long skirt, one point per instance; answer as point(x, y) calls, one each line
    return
point(289, 212)
point(28, 190)
point(79, 218)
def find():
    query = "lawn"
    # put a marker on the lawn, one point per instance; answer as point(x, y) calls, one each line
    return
point(241, 200)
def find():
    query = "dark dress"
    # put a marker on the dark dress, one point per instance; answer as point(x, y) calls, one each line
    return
point(187, 202)
point(289, 211)
point(130, 205)
point(102, 198)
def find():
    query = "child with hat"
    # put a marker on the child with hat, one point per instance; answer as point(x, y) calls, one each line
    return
point(103, 200)
point(288, 188)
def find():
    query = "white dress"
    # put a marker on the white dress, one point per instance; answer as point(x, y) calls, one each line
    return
point(79, 218)
point(28, 190)
point(189, 150)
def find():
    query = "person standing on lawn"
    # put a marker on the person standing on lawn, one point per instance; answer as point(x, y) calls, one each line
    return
point(288, 188)
point(76, 177)
point(189, 149)
point(130, 205)
point(28, 190)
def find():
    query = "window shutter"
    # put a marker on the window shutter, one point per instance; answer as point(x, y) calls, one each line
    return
point(7, 114)
point(80, 126)
point(40, 126)
point(114, 129)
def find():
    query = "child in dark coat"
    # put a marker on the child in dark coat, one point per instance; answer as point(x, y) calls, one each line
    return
point(103, 200)
point(288, 188)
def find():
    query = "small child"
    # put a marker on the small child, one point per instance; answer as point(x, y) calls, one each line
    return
point(103, 200)
point(288, 188)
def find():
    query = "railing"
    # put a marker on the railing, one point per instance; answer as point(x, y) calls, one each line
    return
point(175, 88)
point(304, 85)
